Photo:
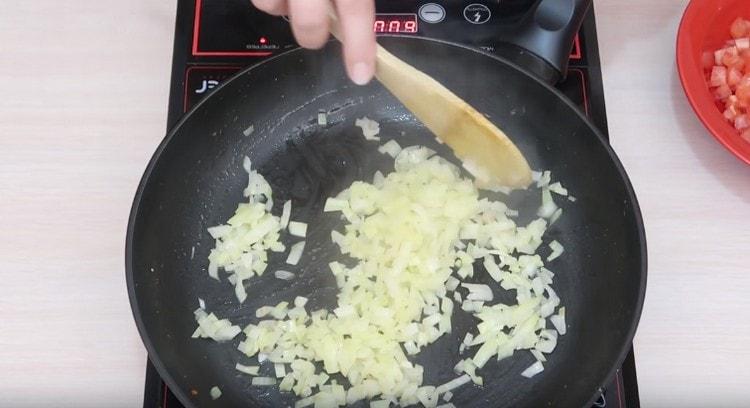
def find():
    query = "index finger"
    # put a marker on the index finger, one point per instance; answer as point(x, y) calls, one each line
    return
point(274, 7)
point(356, 18)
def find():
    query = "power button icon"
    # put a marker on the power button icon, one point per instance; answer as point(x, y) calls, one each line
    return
point(477, 13)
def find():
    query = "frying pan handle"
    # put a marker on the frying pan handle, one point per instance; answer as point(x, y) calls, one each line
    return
point(545, 38)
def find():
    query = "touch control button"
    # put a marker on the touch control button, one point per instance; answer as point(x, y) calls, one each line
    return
point(432, 13)
point(477, 13)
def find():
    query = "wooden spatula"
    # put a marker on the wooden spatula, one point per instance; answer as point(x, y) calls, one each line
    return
point(485, 150)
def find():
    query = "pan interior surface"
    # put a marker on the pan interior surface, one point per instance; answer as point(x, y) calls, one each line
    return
point(195, 181)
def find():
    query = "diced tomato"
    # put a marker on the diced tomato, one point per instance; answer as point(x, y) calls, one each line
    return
point(739, 28)
point(730, 114)
point(741, 122)
point(723, 92)
point(743, 90)
point(742, 43)
point(732, 58)
point(732, 103)
point(736, 62)
point(734, 76)
point(719, 56)
point(727, 71)
point(719, 76)
point(731, 51)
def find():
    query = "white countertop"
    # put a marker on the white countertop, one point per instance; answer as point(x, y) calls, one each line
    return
point(83, 105)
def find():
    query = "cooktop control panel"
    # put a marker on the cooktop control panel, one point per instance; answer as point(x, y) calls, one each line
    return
point(234, 28)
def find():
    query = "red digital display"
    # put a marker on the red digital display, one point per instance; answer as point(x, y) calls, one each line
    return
point(396, 23)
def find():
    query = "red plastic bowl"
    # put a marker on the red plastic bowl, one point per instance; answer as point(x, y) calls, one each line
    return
point(705, 27)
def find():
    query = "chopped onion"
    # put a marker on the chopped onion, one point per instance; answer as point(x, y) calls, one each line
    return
point(391, 148)
point(452, 283)
point(555, 216)
point(287, 383)
point(298, 229)
point(286, 213)
point(239, 289)
point(558, 321)
point(262, 312)
point(446, 306)
point(280, 310)
point(219, 231)
point(263, 381)
point(215, 393)
point(279, 370)
point(492, 269)
point(548, 342)
point(305, 402)
point(300, 301)
point(242, 244)
point(557, 188)
point(406, 235)
point(249, 130)
point(543, 179)
point(209, 326)
point(284, 275)
point(453, 384)
point(467, 366)
point(557, 250)
point(549, 304)
point(322, 119)
point(413, 156)
point(411, 348)
point(213, 271)
point(370, 128)
point(249, 370)
point(468, 306)
point(548, 207)
point(447, 396)
point(335, 204)
point(427, 396)
point(479, 292)
point(533, 370)
point(538, 355)
point(201, 303)
point(295, 253)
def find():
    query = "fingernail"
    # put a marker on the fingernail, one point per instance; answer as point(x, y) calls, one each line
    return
point(361, 73)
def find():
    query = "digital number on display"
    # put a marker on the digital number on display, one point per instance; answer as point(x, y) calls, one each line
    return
point(396, 23)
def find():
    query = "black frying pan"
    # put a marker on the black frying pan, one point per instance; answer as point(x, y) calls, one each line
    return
point(195, 181)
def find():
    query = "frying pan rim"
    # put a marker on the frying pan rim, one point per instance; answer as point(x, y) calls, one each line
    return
point(153, 356)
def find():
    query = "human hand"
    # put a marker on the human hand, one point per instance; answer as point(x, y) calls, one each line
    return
point(310, 25)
